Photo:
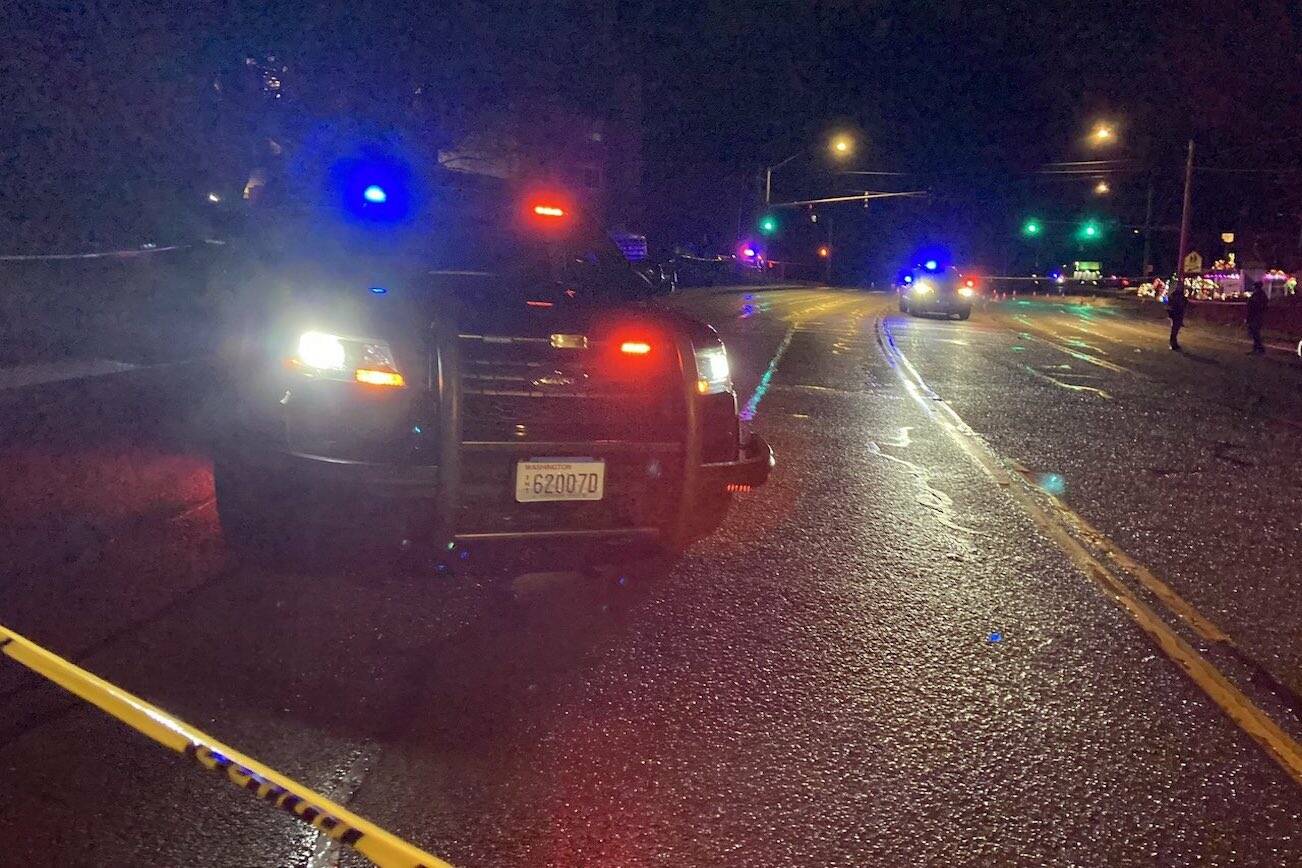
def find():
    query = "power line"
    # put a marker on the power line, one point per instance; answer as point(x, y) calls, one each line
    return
point(880, 174)
point(1247, 171)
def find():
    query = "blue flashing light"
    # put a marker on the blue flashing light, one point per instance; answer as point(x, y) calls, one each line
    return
point(378, 290)
point(931, 265)
point(908, 278)
point(374, 188)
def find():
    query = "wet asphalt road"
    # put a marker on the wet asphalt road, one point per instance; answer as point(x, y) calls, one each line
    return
point(879, 659)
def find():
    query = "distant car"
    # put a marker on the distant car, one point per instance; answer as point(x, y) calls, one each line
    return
point(940, 290)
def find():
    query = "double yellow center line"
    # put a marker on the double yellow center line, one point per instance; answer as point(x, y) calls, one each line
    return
point(1086, 547)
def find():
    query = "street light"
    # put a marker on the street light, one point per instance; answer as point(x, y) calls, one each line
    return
point(1103, 134)
point(840, 146)
point(824, 252)
point(1102, 188)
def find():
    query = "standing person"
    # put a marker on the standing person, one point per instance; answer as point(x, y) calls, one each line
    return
point(1175, 305)
point(1257, 316)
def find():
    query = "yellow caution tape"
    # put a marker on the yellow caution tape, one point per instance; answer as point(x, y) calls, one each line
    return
point(337, 822)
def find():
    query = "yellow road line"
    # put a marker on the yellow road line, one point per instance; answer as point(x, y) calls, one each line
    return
point(1076, 354)
point(1160, 589)
point(1278, 744)
point(336, 821)
point(1074, 387)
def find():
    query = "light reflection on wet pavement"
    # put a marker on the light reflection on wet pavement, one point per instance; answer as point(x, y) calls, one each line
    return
point(878, 660)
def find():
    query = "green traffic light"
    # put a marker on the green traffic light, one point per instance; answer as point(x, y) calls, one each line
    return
point(1089, 230)
point(1031, 227)
point(768, 225)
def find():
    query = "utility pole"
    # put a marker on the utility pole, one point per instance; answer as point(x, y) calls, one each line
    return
point(1148, 232)
point(1184, 218)
point(827, 262)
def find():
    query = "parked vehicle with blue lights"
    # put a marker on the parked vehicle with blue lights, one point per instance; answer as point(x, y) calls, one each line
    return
point(490, 366)
point(933, 288)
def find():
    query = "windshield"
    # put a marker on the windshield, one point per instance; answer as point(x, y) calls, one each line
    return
point(479, 247)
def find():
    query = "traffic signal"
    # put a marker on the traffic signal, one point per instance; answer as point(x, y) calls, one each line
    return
point(1090, 230)
point(1032, 228)
point(768, 224)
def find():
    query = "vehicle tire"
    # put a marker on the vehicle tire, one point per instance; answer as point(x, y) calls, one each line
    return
point(254, 515)
point(964, 314)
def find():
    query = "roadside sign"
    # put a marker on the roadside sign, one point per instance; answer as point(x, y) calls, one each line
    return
point(1193, 263)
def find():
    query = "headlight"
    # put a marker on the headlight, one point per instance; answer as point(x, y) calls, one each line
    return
point(966, 291)
point(921, 287)
point(321, 351)
point(338, 358)
point(712, 374)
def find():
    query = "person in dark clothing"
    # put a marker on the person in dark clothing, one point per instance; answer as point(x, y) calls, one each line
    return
point(1257, 316)
point(1175, 305)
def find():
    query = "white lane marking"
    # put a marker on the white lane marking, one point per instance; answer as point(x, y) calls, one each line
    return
point(1058, 522)
point(20, 376)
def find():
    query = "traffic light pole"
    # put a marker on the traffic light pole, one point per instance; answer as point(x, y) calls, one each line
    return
point(768, 175)
point(1184, 218)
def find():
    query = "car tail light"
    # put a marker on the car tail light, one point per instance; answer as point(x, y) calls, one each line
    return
point(633, 351)
point(543, 209)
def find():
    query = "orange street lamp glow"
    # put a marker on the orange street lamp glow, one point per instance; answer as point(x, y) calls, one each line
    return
point(1103, 134)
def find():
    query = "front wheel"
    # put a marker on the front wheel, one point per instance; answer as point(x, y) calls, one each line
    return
point(964, 314)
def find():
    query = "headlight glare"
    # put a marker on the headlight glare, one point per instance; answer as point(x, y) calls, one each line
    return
point(712, 372)
point(321, 351)
point(333, 357)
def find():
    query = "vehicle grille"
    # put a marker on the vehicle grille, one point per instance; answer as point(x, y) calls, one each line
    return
point(524, 390)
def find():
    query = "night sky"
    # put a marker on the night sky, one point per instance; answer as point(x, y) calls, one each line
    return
point(969, 98)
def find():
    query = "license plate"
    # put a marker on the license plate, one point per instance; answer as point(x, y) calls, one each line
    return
point(544, 479)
